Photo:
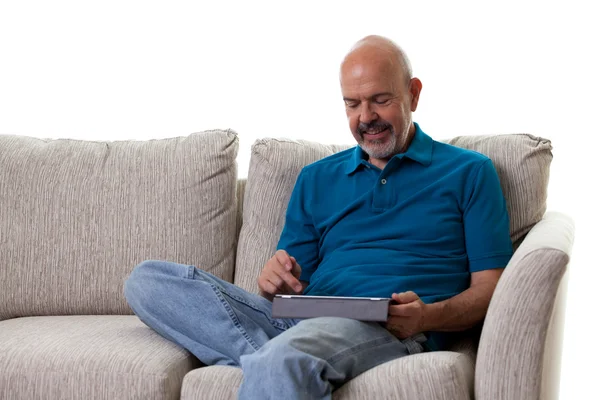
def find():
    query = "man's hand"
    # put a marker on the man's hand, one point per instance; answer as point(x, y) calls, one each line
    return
point(280, 276)
point(407, 317)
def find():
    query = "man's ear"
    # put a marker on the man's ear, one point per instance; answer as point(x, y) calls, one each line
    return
point(415, 87)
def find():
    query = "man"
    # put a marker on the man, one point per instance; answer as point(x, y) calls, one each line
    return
point(398, 216)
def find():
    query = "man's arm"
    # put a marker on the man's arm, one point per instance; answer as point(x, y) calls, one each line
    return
point(487, 243)
point(465, 310)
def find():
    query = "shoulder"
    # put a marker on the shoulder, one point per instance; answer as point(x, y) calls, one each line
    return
point(453, 158)
point(447, 150)
point(331, 164)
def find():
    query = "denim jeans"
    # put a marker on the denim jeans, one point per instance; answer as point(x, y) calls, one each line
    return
point(222, 324)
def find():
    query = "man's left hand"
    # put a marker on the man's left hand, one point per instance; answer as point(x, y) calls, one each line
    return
point(407, 317)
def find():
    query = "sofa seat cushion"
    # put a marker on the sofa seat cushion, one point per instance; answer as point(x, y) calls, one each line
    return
point(88, 357)
point(429, 376)
point(216, 383)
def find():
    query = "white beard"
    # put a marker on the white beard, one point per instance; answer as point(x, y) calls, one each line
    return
point(380, 149)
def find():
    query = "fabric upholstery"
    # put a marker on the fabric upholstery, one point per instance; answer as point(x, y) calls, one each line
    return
point(214, 383)
point(274, 167)
point(88, 357)
point(439, 375)
point(522, 162)
point(514, 334)
point(241, 189)
point(77, 216)
point(523, 165)
point(428, 376)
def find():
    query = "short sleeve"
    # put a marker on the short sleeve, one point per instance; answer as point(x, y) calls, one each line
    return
point(299, 237)
point(486, 222)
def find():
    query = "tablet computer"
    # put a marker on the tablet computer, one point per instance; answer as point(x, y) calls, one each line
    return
point(301, 306)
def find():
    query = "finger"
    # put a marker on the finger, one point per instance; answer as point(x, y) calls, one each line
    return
point(274, 278)
point(284, 259)
point(289, 276)
point(406, 297)
point(402, 310)
point(267, 286)
point(292, 282)
point(394, 326)
point(280, 277)
point(296, 269)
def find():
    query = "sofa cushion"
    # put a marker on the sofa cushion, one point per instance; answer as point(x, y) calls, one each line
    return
point(523, 165)
point(274, 167)
point(522, 162)
point(77, 216)
point(218, 382)
point(440, 375)
point(428, 376)
point(88, 357)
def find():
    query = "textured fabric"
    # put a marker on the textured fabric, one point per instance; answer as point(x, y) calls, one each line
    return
point(440, 375)
point(429, 376)
point(241, 189)
point(514, 333)
point(553, 349)
point(88, 357)
point(212, 383)
point(522, 162)
point(274, 167)
point(77, 216)
point(523, 165)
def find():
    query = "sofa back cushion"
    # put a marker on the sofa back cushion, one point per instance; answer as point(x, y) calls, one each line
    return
point(77, 216)
point(522, 162)
point(274, 167)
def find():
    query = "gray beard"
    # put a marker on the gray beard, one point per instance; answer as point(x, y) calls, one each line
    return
point(375, 150)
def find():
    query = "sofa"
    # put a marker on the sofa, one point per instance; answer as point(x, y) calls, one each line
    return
point(78, 216)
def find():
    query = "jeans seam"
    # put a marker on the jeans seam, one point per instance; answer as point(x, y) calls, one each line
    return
point(257, 309)
point(275, 324)
point(347, 352)
point(359, 347)
point(233, 317)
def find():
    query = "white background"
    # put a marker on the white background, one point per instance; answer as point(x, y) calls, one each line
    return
point(113, 70)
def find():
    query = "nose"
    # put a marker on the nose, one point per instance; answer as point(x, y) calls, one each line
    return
point(366, 113)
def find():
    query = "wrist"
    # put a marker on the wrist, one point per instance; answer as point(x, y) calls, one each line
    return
point(432, 316)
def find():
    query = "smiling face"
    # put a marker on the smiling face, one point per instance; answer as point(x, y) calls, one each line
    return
point(379, 100)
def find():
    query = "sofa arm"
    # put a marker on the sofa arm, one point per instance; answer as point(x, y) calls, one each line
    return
point(515, 359)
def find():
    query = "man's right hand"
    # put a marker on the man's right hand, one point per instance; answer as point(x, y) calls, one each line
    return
point(280, 276)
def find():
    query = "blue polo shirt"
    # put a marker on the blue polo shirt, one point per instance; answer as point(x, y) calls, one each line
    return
point(424, 223)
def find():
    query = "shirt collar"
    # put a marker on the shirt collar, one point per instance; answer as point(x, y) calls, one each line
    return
point(419, 150)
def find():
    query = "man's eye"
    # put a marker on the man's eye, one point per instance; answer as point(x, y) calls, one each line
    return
point(380, 101)
point(351, 104)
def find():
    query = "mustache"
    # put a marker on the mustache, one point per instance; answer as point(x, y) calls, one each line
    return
point(378, 125)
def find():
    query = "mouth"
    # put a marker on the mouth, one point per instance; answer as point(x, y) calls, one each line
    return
point(375, 134)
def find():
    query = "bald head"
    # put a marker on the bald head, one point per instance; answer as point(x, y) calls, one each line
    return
point(380, 95)
point(381, 51)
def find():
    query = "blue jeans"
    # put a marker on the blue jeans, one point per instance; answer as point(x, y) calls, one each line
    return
point(222, 324)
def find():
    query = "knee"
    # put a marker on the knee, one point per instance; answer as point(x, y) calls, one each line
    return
point(142, 283)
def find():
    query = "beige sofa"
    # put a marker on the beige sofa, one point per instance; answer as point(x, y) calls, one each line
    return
point(77, 216)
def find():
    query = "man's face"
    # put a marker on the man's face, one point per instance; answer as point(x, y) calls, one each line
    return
point(379, 102)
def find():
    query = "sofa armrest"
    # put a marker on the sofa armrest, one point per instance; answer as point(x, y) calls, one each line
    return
point(526, 310)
